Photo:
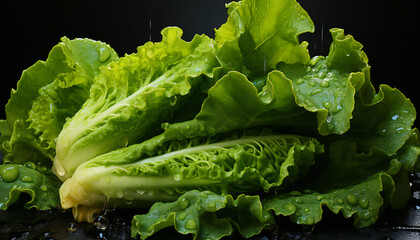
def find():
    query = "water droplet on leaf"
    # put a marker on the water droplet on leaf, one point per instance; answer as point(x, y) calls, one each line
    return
point(351, 199)
point(266, 97)
point(191, 224)
point(364, 203)
point(309, 221)
point(30, 165)
point(183, 203)
point(9, 173)
point(173, 100)
point(104, 54)
point(182, 216)
point(44, 188)
point(27, 179)
point(327, 105)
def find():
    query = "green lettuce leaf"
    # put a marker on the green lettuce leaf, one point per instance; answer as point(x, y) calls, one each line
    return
point(47, 93)
point(391, 126)
point(328, 85)
point(363, 201)
point(235, 103)
point(246, 164)
point(260, 34)
point(205, 215)
point(40, 186)
point(132, 97)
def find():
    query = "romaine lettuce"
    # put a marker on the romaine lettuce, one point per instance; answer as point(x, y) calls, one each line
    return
point(131, 98)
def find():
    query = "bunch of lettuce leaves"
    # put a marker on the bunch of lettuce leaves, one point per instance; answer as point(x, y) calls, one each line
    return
point(213, 135)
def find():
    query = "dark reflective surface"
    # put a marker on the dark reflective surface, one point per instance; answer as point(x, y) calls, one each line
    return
point(115, 224)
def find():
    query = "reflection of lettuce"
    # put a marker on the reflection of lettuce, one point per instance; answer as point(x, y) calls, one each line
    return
point(213, 135)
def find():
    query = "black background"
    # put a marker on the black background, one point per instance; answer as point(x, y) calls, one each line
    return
point(387, 29)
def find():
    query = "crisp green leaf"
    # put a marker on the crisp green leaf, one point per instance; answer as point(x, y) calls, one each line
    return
point(47, 93)
point(241, 165)
point(362, 200)
point(328, 85)
point(17, 179)
point(409, 153)
point(260, 34)
point(205, 215)
point(385, 123)
point(132, 97)
point(224, 109)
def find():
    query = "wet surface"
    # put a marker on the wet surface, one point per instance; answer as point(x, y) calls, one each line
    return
point(115, 224)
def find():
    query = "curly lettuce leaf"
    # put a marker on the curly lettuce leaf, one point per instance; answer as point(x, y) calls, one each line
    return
point(42, 188)
point(260, 34)
point(205, 215)
point(384, 123)
point(362, 201)
point(234, 102)
point(132, 97)
point(47, 93)
point(328, 85)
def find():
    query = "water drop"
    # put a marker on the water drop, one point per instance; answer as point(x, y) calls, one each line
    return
point(211, 206)
point(322, 74)
point(307, 191)
point(311, 83)
point(140, 191)
point(309, 221)
point(365, 215)
point(298, 200)
point(364, 203)
point(100, 222)
point(177, 177)
point(316, 91)
point(182, 216)
point(295, 193)
point(72, 227)
point(337, 109)
point(325, 83)
point(183, 203)
point(104, 54)
point(351, 199)
point(26, 179)
point(300, 81)
point(60, 171)
point(319, 197)
point(44, 188)
point(400, 130)
point(191, 224)
point(327, 105)
point(173, 100)
point(340, 201)
point(266, 97)
point(30, 165)
point(9, 173)
point(395, 117)
point(306, 210)
point(120, 194)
